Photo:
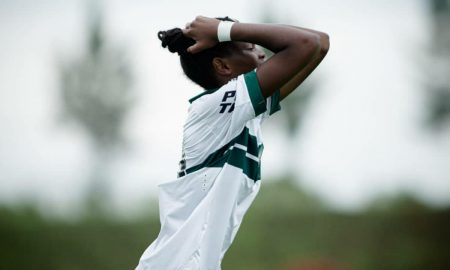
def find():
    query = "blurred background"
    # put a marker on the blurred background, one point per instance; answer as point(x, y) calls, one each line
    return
point(356, 165)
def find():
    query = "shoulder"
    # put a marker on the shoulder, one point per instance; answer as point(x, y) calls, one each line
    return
point(240, 91)
point(213, 99)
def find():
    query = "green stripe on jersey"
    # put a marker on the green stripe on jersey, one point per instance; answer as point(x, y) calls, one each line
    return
point(209, 91)
point(236, 156)
point(275, 102)
point(254, 91)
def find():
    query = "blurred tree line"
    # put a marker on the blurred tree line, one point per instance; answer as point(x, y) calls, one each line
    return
point(285, 229)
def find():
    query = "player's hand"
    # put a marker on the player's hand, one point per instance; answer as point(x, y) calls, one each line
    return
point(204, 31)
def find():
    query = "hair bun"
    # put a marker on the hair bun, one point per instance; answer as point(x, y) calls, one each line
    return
point(175, 40)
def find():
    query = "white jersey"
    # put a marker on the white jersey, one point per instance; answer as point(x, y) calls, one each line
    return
point(202, 209)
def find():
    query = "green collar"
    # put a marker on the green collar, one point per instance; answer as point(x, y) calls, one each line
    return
point(209, 91)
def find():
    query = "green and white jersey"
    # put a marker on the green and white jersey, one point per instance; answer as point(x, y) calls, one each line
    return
point(202, 209)
point(223, 119)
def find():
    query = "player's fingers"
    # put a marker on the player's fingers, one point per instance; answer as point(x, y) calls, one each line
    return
point(194, 48)
point(186, 32)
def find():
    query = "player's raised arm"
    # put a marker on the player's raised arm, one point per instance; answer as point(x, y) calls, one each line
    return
point(293, 83)
point(294, 48)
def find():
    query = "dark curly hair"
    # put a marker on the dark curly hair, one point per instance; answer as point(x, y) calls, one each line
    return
point(197, 67)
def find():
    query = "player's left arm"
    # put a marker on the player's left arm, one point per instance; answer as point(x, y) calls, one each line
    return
point(292, 84)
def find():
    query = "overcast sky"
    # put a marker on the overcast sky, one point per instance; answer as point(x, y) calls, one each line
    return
point(362, 135)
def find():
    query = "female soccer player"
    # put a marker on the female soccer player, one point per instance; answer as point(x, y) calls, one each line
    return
point(219, 175)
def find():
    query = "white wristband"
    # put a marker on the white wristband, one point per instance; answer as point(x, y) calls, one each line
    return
point(224, 31)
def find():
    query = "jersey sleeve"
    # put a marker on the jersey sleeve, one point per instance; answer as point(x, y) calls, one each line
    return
point(254, 91)
point(273, 104)
point(263, 106)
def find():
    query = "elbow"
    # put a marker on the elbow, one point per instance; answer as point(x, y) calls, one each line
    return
point(324, 44)
point(311, 44)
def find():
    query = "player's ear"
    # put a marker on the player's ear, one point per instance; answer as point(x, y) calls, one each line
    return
point(221, 66)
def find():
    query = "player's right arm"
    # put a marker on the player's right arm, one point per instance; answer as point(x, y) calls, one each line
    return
point(293, 48)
